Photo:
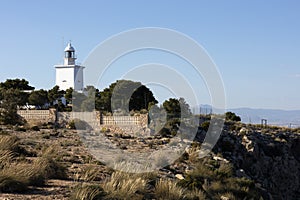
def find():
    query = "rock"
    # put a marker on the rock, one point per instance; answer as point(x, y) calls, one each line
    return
point(243, 130)
point(273, 165)
point(241, 173)
point(248, 143)
point(179, 176)
point(224, 198)
point(217, 158)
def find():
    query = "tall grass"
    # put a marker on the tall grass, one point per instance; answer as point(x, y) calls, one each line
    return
point(90, 173)
point(8, 142)
point(17, 176)
point(124, 186)
point(84, 191)
point(167, 189)
point(6, 157)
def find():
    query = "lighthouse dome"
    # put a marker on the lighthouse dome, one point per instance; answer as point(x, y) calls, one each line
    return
point(69, 48)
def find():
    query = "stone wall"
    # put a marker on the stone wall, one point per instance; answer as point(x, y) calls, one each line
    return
point(138, 120)
point(42, 116)
point(95, 118)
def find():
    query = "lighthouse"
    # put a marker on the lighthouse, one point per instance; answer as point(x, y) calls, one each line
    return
point(69, 74)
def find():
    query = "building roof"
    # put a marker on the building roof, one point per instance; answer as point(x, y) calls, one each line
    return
point(69, 47)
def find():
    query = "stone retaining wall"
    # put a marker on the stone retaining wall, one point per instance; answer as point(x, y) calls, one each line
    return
point(43, 116)
point(94, 118)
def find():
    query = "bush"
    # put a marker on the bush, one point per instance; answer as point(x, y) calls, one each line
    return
point(78, 124)
point(232, 117)
point(105, 130)
point(21, 129)
point(35, 128)
point(11, 183)
point(205, 125)
point(90, 173)
point(167, 189)
point(215, 180)
point(124, 186)
point(87, 192)
point(5, 158)
point(2, 132)
point(51, 168)
point(17, 176)
point(165, 132)
point(11, 143)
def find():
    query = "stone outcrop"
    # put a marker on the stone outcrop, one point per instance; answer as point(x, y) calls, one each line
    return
point(271, 159)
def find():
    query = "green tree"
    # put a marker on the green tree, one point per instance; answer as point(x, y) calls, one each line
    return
point(104, 102)
point(91, 93)
point(125, 92)
point(172, 107)
point(9, 106)
point(83, 101)
point(69, 94)
point(55, 94)
point(232, 117)
point(177, 108)
point(38, 98)
point(20, 84)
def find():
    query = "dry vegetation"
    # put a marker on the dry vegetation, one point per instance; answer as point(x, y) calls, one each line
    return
point(44, 163)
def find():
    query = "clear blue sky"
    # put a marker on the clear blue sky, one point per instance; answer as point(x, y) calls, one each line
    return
point(255, 44)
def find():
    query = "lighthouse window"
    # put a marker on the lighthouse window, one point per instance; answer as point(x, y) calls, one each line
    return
point(68, 54)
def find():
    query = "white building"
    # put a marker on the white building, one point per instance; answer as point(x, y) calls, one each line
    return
point(69, 74)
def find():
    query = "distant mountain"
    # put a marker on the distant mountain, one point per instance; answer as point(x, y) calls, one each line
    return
point(254, 115)
point(274, 116)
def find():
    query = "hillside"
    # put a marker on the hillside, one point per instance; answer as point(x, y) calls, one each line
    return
point(248, 162)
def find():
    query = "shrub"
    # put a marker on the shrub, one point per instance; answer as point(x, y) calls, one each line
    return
point(5, 158)
point(196, 178)
point(165, 132)
point(35, 128)
point(232, 117)
point(21, 129)
point(10, 143)
point(196, 195)
point(21, 175)
point(90, 173)
point(167, 189)
point(87, 192)
point(50, 168)
point(78, 124)
point(105, 130)
point(2, 132)
point(11, 183)
point(224, 171)
point(205, 125)
point(124, 186)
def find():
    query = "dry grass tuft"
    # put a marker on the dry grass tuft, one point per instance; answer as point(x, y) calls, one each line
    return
point(8, 142)
point(90, 173)
point(6, 157)
point(124, 186)
point(167, 189)
point(87, 192)
point(17, 176)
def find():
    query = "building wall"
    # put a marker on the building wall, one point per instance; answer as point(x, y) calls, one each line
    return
point(69, 76)
point(78, 77)
point(65, 77)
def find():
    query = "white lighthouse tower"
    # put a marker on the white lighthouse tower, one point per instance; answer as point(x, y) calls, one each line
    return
point(69, 74)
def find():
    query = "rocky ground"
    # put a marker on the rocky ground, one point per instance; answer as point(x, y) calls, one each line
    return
point(268, 156)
